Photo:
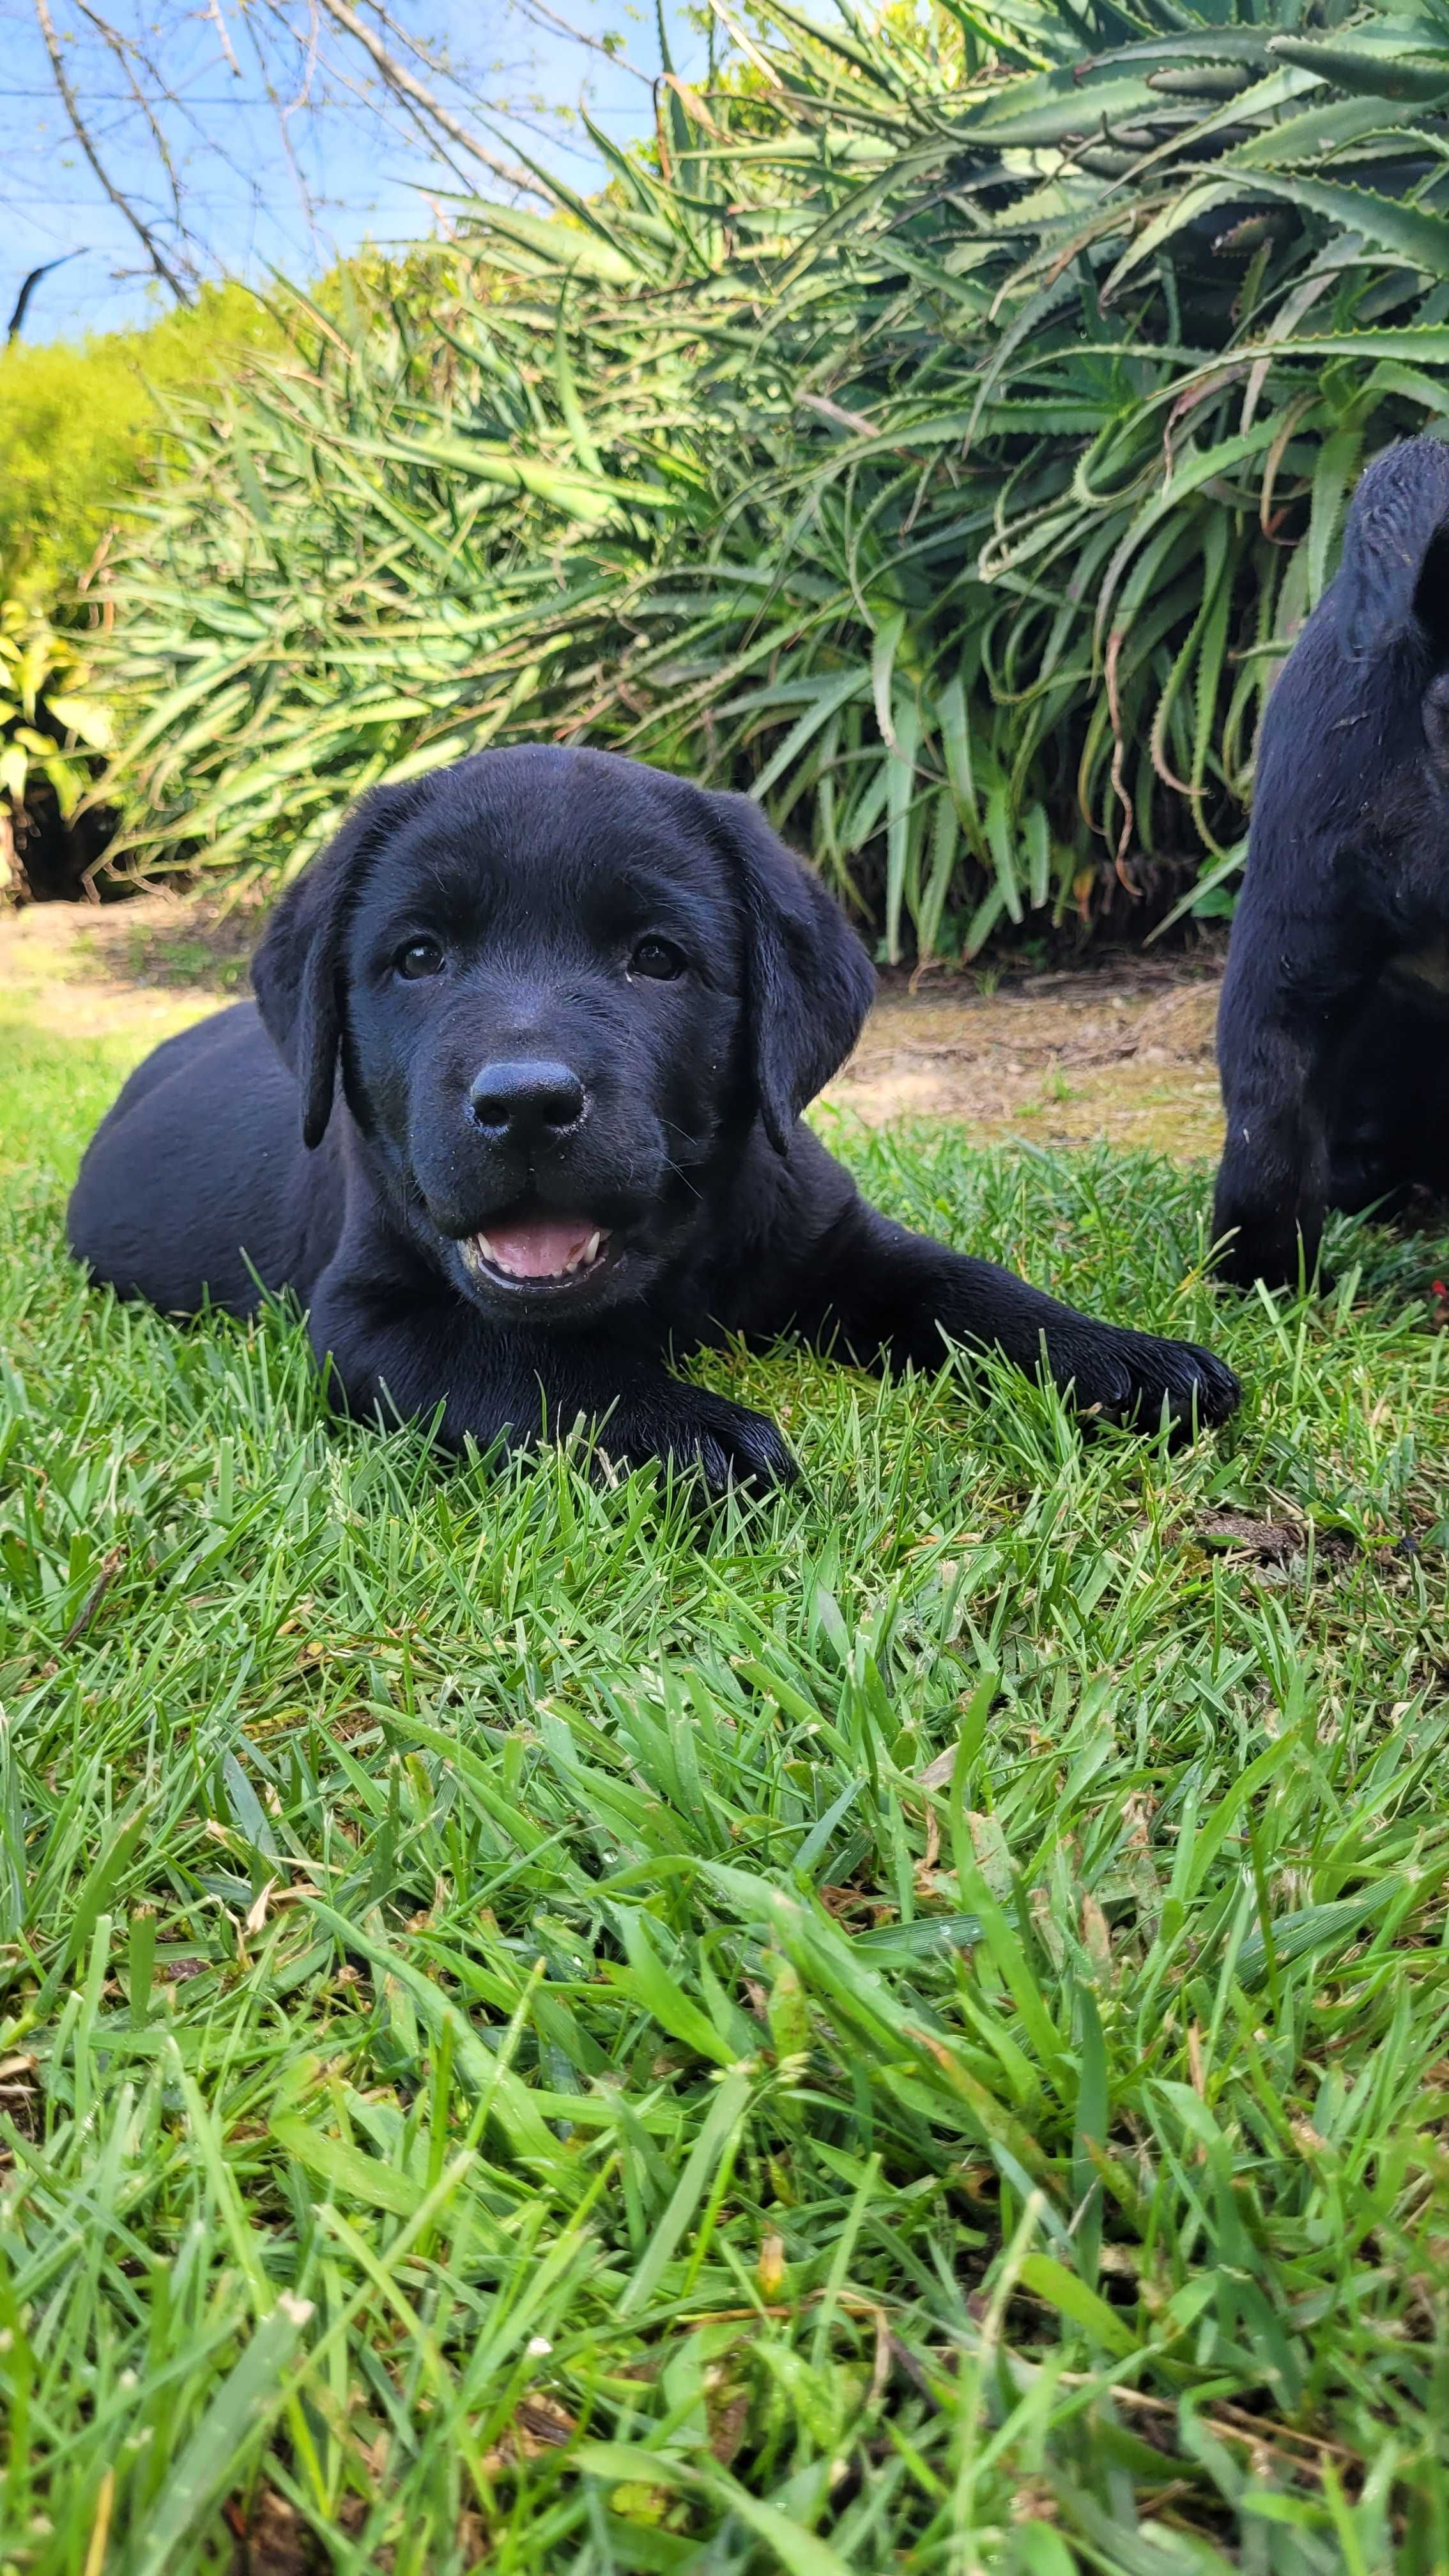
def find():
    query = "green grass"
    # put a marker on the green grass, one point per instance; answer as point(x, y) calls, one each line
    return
point(907, 2028)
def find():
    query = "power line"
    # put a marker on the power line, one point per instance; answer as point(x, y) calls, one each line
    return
point(123, 98)
point(184, 98)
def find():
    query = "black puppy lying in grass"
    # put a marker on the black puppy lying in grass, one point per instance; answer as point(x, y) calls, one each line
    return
point(1333, 1037)
point(544, 1027)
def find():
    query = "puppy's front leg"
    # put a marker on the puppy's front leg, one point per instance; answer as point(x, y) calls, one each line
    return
point(397, 1350)
point(1290, 997)
point(893, 1295)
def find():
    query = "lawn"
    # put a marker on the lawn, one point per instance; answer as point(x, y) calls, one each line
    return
point(904, 2028)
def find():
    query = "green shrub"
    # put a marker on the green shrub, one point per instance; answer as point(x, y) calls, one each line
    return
point(52, 728)
point(80, 428)
point(944, 441)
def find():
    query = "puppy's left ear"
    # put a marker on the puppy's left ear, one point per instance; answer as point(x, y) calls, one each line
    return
point(810, 982)
point(297, 970)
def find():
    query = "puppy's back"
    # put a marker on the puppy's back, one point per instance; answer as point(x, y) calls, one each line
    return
point(196, 1179)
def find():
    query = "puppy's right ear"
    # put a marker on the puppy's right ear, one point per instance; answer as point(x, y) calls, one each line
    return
point(296, 972)
point(1395, 575)
point(810, 980)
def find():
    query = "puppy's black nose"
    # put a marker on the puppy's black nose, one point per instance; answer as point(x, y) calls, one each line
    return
point(527, 1099)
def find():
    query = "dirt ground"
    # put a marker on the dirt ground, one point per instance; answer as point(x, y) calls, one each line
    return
point(1121, 1051)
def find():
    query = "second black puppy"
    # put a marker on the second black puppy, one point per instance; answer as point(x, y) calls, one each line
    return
point(544, 1025)
point(1333, 1036)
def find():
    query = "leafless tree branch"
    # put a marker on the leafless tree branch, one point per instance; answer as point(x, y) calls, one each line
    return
point(118, 47)
point(401, 82)
point(402, 116)
point(538, 9)
point(223, 35)
point(130, 80)
point(81, 131)
point(285, 109)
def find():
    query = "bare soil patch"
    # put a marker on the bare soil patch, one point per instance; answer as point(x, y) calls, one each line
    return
point(142, 967)
point(1121, 1051)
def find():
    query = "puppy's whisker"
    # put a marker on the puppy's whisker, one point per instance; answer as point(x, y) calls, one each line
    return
point(681, 1174)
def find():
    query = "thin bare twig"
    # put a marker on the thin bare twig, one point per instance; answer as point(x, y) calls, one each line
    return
point(398, 113)
point(81, 131)
point(118, 45)
point(400, 81)
point(223, 35)
point(537, 9)
point(284, 111)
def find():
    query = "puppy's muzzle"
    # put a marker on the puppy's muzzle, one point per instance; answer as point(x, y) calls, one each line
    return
point(528, 1101)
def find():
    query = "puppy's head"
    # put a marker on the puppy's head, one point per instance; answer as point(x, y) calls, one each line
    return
point(561, 988)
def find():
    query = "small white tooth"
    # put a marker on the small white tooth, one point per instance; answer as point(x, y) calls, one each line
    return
point(591, 1248)
point(484, 1248)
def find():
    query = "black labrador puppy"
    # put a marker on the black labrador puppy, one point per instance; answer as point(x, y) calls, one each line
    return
point(544, 1024)
point(1333, 1036)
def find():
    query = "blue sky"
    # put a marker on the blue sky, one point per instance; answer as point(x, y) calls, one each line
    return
point(366, 182)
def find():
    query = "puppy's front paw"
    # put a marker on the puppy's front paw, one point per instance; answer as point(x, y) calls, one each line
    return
point(726, 1443)
point(1269, 1244)
point(1134, 1378)
point(1274, 1268)
point(1253, 1254)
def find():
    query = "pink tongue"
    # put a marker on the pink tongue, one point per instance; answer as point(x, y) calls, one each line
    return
point(539, 1251)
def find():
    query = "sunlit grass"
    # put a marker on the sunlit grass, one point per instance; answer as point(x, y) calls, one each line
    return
point(904, 2028)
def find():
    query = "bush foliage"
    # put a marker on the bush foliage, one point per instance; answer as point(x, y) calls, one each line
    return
point(942, 438)
point(82, 432)
point(81, 427)
point(49, 727)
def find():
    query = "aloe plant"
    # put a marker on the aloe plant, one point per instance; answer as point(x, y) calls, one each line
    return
point(943, 439)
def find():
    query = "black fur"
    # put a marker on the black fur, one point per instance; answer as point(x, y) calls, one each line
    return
point(537, 873)
point(1333, 1036)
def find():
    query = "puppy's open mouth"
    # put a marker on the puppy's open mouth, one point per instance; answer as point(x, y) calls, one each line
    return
point(555, 1252)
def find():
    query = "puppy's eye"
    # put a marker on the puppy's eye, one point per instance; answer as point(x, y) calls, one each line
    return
point(420, 957)
point(659, 959)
